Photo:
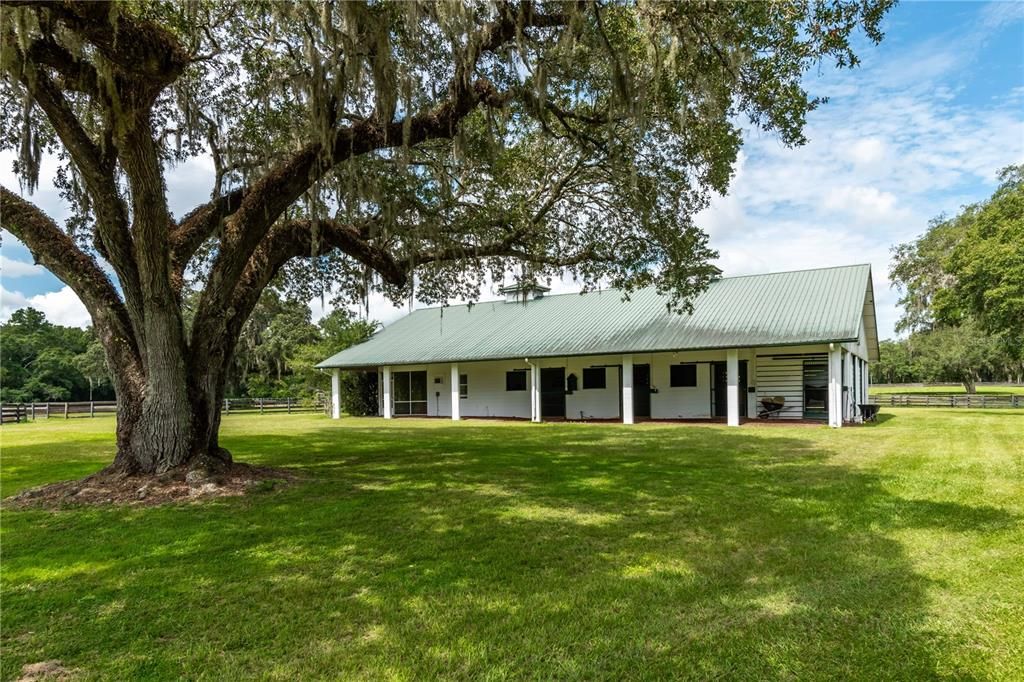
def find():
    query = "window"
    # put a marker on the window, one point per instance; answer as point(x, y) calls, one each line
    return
point(410, 392)
point(515, 380)
point(463, 385)
point(594, 377)
point(683, 376)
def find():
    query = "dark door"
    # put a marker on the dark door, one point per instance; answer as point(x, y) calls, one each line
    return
point(641, 390)
point(720, 389)
point(816, 388)
point(552, 392)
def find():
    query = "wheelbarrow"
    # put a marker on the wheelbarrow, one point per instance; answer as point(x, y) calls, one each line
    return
point(771, 405)
point(869, 411)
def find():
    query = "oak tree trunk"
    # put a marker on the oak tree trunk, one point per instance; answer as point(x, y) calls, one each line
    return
point(170, 421)
point(157, 433)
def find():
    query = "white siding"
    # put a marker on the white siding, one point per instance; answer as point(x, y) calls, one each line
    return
point(779, 372)
point(784, 377)
point(486, 394)
point(681, 402)
point(592, 403)
point(859, 347)
point(772, 371)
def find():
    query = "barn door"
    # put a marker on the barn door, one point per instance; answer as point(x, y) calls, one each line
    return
point(552, 392)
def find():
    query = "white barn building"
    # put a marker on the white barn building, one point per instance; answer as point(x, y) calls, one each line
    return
point(804, 337)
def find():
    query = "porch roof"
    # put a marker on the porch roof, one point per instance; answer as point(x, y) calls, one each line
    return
point(777, 309)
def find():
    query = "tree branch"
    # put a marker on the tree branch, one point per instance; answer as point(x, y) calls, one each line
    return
point(138, 48)
point(199, 225)
point(59, 254)
point(504, 249)
point(76, 74)
point(97, 171)
point(287, 240)
point(272, 194)
point(282, 186)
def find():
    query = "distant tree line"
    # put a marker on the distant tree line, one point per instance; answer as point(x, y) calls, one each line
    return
point(961, 288)
point(43, 362)
point(276, 356)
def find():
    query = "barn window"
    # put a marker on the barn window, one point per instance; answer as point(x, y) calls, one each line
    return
point(594, 377)
point(683, 376)
point(515, 380)
point(463, 385)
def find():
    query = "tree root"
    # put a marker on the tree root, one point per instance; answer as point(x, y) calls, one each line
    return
point(212, 478)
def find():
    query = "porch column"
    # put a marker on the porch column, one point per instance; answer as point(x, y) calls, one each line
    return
point(835, 387)
point(732, 391)
point(866, 379)
point(848, 395)
point(858, 379)
point(861, 398)
point(627, 389)
point(335, 393)
point(456, 412)
point(534, 393)
point(386, 380)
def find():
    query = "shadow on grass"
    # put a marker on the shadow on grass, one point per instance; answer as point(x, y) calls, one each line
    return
point(551, 551)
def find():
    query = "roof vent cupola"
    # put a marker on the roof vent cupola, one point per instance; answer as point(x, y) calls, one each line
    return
point(523, 291)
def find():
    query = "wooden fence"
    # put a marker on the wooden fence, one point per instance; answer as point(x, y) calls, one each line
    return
point(21, 412)
point(952, 400)
point(273, 405)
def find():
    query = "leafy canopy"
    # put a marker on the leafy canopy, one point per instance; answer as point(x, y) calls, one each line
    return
point(968, 266)
point(962, 292)
point(577, 137)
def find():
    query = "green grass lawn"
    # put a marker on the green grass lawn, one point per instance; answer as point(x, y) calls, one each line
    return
point(479, 550)
point(1004, 389)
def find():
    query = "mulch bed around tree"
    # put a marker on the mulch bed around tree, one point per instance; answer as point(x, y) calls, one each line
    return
point(106, 488)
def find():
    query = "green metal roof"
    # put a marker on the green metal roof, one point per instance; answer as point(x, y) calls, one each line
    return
point(786, 308)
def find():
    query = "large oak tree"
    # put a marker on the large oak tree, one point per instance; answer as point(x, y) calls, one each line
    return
point(377, 146)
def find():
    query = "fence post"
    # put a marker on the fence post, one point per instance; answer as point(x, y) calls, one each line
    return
point(289, 405)
point(261, 405)
point(47, 411)
point(33, 411)
point(92, 408)
point(65, 410)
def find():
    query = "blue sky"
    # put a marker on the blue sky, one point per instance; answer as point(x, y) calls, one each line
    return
point(920, 129)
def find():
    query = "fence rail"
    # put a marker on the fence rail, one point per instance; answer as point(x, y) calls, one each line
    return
point(278, 405)
point(951, 400)
point(22, 412)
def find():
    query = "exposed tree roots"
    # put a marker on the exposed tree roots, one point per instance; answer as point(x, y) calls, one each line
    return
point(183, 484)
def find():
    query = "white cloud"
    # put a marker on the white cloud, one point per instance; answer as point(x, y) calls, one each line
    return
point(867, 150)
point(60, 307)
point(11, 269)
point(190, 185)
point(864, 204)
point(883, 158)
